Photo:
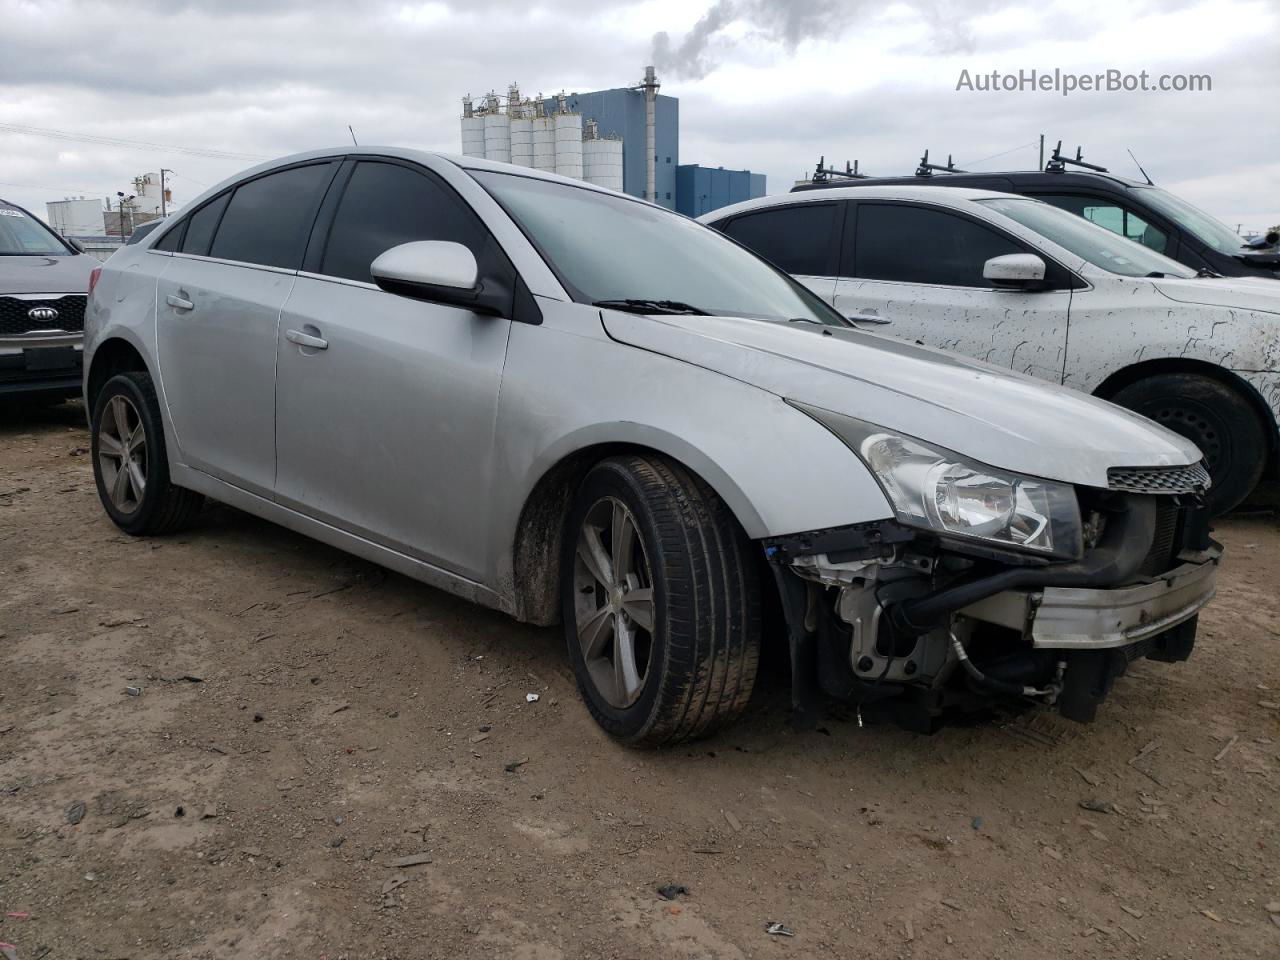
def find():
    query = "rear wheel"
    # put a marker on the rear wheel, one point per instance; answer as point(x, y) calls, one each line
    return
point(129, 460)
point(1216, 419)
point(660, 600)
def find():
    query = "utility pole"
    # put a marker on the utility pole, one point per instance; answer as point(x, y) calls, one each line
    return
point(1042, 151)
point(164, 209)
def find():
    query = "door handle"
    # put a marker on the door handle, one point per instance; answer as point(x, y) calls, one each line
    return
point(179, 303)
point(306, 340)
point(869, 318)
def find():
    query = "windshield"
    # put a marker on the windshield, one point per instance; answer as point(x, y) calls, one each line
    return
point(1096, 244)
point(640, 257)
point(1196, 222)
point(22, 236)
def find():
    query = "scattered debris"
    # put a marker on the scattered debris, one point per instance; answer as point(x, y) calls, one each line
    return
point(1223, 752)
point(672, 890)
point(9, 950)
point(976, 823)
point(413, 860)
point(515, 765)
point(733, 821)
point(953, 904)
point(75, 812)
point(1052, 852)
point(531, 698)
point(1136, 914)
point(479, 738)
point(1212, 916)
point(1151, 745)
point(340, 707)
point(710, 851)
point(908, 931)
point(337, 841)
point(393, 882)
point(1269, 705)
point(133, 691)
point(1091, 779)
point(775, 929)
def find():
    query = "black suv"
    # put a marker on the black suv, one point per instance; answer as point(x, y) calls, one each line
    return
point(1139, 211)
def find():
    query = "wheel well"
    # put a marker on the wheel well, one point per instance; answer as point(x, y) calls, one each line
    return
point(1152, 368)
point(112, 357)
point(540, 533)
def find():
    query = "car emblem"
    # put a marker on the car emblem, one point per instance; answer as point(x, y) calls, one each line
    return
point(44, 314)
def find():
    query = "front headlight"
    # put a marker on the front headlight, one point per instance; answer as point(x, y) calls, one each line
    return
point(942, 491)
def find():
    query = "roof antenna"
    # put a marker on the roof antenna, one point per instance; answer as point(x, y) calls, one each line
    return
point(1140, 170)
point(353, 135)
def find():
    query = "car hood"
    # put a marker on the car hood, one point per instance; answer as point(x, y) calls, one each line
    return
point(46, 274)
point(991, 415)
point(1239, 293)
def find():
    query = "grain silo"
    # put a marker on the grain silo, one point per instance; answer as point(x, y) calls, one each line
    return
point(497, 131)
point(601, 158)
point(472, 130)
point(544, 138)
point(568, 134)
point(521, 114)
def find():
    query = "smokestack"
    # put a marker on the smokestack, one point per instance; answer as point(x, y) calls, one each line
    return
point(650, 87)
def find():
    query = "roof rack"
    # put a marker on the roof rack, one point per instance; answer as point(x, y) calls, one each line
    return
point(823, 173)
point(927, 169)
point(1057, 163)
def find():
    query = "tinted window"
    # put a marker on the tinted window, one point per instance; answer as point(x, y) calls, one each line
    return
point(269, 218)
point(172, 240)
point(1110, 216)
point(202, 224)
point(142, 230)
point(797, 239)
point(912, 244)
point(385, 205)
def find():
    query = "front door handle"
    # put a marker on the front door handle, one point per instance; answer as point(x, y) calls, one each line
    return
point(179, 303)
point(306, 340)
point(869, 318)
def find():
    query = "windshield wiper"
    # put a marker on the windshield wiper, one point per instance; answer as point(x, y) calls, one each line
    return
point(650, 306)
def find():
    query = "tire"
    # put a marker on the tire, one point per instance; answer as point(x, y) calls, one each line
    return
point(160, 507)
point(1217, 419)
point(696, 650)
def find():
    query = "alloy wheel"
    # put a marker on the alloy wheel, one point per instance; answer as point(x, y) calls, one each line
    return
point(614, 602)
point(122, 453)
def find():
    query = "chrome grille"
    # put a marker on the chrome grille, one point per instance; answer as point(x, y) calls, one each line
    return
point(1159, 480)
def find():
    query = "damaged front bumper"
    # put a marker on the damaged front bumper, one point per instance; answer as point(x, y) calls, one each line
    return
point(887, 614)
point(1082, 618)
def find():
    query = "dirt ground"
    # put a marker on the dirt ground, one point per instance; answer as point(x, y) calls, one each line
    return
point(306, 719)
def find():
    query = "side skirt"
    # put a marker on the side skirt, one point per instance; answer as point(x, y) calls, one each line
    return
point(420, 570)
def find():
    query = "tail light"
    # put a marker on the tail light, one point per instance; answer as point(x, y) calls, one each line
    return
point(93, 278)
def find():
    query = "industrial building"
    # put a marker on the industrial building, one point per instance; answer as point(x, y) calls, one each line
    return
point(626, 139)
point(101, 229)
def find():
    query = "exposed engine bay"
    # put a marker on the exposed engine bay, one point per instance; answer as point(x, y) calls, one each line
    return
point(925, 626)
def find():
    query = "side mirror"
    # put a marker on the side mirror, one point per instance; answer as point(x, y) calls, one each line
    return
point(1015, 271)
point(439, 271)
point(74, 244)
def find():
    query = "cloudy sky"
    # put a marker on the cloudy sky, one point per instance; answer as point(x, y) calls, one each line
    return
point(764, 84)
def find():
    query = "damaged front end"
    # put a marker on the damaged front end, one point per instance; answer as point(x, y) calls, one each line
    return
point(924, 624)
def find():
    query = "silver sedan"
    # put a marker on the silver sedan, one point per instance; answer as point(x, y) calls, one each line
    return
point(577, 407)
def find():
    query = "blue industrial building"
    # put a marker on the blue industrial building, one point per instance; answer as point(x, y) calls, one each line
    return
point(620, 112)
point(701, 189)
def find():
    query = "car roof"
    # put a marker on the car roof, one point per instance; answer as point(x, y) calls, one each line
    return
point(945, 196)
point(1064, 178)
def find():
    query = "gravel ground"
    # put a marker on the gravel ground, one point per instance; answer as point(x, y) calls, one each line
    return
point(304, 720)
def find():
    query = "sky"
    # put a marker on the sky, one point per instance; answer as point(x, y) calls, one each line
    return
point(207, 88)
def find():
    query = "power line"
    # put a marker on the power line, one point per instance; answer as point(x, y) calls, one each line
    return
point(1021, 146)
point(37, 186)
point(128, 144)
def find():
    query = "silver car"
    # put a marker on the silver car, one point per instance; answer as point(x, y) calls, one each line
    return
point(43, 283)
point(577, 407)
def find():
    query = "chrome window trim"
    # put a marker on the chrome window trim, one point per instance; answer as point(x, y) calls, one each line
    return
point(346, 282)
point(46, 296)
point(230, 263)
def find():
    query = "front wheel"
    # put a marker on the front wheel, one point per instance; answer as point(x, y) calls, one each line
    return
point(1216, 419)
point(661, 603)
point(129, 460)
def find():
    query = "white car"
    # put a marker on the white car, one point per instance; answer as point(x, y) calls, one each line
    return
point(1026, 286)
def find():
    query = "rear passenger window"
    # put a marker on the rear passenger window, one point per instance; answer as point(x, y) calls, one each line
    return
point(385, 205)
point(268, 219)
point(171, 241)
point(913, 244)
point(796, 239)
point(201, 224)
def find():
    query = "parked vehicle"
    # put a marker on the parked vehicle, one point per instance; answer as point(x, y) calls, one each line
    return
point(43, 283)
point(1026, 286)
point(575, 406)
point(1143, 212)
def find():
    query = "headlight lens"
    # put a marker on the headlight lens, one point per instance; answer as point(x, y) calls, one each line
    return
point(940, 490)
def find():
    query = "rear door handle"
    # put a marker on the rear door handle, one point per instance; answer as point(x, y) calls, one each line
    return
point(306, 340)
point(869, 318)
point(178, 303)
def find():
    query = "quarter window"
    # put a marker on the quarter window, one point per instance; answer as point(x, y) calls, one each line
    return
point(385, 205)
point(1111, 216)
point(912, 244)
point(268, 219)
point(796, 239)
point(202, 224)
